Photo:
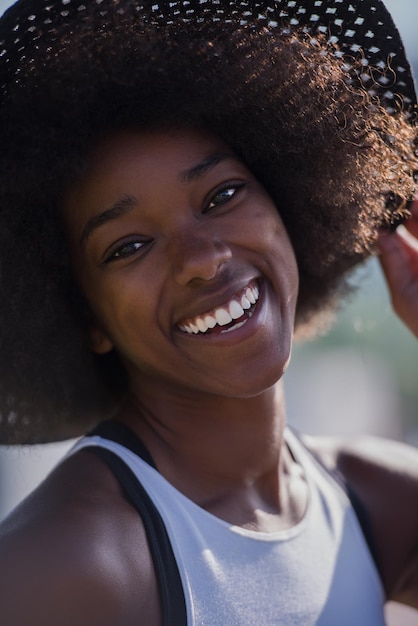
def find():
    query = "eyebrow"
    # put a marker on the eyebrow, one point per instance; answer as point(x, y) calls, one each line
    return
point(122, 206)
point(199, 170)
point(126, 203)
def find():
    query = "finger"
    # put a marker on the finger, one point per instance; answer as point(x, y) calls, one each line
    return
point(399, 260)
point(411, 224)
point(408, 242)
point(393, 258)
point(414, 207)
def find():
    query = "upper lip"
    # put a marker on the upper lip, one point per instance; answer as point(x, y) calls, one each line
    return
point(217, 298)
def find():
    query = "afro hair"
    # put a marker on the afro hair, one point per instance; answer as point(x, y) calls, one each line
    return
point(337, 165)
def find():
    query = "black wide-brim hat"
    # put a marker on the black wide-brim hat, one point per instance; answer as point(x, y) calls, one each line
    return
point(35, 37)
point(362, 30)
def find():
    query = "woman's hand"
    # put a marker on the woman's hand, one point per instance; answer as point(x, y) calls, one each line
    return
point(399, 260)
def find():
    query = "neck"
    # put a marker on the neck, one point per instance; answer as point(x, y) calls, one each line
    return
point(210, 446)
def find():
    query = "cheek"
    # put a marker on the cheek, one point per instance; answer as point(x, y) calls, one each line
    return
point(284, 270)
point(126, 309)
point(277, 240)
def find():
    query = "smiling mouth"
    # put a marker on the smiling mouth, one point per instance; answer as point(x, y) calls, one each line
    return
point(230, 316)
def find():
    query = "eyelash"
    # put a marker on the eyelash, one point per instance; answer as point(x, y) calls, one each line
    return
point(231, 187)
point(124, 250)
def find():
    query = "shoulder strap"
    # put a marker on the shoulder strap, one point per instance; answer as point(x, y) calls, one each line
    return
point(173, 605)
point(119, 433)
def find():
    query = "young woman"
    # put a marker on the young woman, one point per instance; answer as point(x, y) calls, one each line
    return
point(183, 185)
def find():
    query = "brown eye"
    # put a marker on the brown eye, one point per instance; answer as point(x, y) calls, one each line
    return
point(223, 196)
point(125, 250)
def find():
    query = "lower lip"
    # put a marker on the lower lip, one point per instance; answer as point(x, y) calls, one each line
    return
point(242, 328)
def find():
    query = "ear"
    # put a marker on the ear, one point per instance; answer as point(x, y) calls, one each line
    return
point(99, 341)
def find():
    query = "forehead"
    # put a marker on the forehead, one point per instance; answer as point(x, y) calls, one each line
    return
point(141, 165)
point(172, 150)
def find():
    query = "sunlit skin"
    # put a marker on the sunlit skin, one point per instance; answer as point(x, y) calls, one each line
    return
point(399, 260)
point(189, 227)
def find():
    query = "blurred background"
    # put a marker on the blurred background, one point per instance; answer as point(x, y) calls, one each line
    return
point(361, 377)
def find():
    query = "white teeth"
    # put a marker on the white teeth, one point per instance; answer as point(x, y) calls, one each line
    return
point(245, 303)
point(201, 325)
point(235, 310)
point(250, 295)
point(222, 317)
point(210, 321)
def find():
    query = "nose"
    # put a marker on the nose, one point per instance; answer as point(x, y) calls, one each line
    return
point(198, 257)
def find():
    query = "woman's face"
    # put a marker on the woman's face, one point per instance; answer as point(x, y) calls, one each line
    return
point(185, 263)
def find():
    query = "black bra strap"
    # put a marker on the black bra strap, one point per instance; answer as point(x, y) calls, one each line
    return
point(119, 433)
point(173, 605)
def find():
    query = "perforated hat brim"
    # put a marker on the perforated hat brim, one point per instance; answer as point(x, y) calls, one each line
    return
point(362, 31)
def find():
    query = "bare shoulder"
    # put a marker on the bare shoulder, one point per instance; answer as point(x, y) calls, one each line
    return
point(75, 552)
point(365, 461)
point(383, 474)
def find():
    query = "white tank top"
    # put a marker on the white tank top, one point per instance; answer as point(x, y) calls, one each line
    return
point(319, 572)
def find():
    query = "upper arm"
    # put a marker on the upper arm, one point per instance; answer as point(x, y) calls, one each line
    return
point(76, 556)
point(49, 580)
point(39, 588)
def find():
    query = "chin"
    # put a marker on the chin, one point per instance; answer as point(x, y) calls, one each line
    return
point(255, 379)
